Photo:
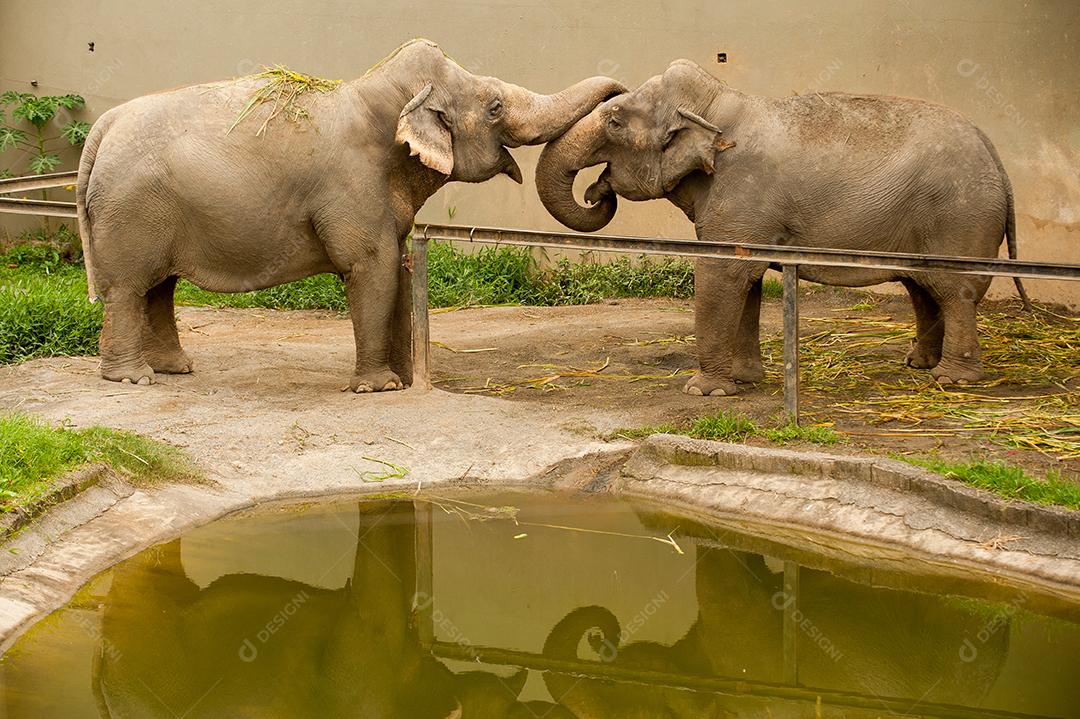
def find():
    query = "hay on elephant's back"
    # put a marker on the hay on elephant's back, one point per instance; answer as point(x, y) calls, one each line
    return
point(284, 88)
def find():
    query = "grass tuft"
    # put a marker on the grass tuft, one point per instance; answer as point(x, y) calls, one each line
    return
point(731, 427)
point(283, 88)
point(490, 276)
point(1006, 480)
point(44, 311)
point(33, 454)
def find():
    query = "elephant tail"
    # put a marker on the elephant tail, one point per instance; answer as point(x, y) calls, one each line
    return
point(562, 643)
point(86, 166)
point(1010, 216)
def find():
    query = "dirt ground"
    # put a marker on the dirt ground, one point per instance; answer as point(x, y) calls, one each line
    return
point(645, 351)
point(262, 376)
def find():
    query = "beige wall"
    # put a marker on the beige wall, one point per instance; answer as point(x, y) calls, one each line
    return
point(1011, 66)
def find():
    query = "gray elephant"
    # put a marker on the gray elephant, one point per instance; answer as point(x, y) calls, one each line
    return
point(256, 646)
point(204, 183)
point(856, 640)
point(828, 170)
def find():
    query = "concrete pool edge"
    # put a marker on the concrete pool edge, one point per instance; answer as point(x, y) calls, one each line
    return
point(868, 497)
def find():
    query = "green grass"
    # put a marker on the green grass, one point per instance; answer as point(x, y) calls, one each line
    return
point(32, 454)
point(732, 427)
point(318, 292)
point(490, 276)
point(44, 311)
point(1005, 480)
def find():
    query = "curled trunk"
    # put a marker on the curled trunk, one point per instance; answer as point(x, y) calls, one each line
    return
point(559, 164)
point(562, 643)
point(534, 119)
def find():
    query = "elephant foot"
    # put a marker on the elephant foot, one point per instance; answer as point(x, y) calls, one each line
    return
point(748, 372)
point(701, 385)
point(947, 372)
point(139, 374)
point(920, 357)
point(176, 363)
point(375, 381)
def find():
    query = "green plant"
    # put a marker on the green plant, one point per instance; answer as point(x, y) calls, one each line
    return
point(1005, 480)
point(44, 311)
point(33, 453)
point(723, 426)
point(38, 112)
point(732, 427)
point(36, 140)
point(790, 432)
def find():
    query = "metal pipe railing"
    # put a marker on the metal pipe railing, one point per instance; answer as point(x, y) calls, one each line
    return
point(789, 258)
point(37, 182)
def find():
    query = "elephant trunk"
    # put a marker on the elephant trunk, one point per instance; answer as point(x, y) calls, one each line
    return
point(562, 643)
point(559, 164)
point(534, 119)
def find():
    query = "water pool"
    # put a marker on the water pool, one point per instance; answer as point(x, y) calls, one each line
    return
point(535, 605)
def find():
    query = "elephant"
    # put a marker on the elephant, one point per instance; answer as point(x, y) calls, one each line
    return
point(208, 184)
point(822, 170)
point(256, 646)
point(853, 639)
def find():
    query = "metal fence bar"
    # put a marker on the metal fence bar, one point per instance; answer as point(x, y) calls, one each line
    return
point(37, 207)
point(791, 343)
point(37, 182)
point(757, 253)
point(721, 685)
point(791, 622)
point(421, 330)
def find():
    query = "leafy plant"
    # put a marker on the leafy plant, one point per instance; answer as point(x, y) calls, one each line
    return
point(38, 112)
point(36, 140)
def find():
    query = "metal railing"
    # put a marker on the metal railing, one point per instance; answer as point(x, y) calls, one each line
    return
point(18, 206)
point(789, 258)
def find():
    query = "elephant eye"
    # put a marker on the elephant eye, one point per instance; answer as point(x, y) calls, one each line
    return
point(669, 137)
point(495, 109)
point(444, 118)
point(614, 124)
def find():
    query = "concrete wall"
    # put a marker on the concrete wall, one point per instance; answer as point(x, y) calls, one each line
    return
point(1011, 66)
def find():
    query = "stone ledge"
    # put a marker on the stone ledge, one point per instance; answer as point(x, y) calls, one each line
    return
point(884, 473)
point(62, 489)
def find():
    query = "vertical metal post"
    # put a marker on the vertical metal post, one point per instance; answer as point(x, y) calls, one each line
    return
point(424, 602)
point(791, 342)
point(421, 344)
point(791, 623)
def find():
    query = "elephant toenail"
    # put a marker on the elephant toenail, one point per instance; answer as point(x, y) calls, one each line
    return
point(126, 380)
point(696, 391)
point(718, 393)
point(144, 381)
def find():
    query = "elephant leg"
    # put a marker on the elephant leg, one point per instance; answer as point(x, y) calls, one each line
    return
point(721, 291)
point(161, 343)
point(747, 365)
point(371, 286)
point(401, 356)
point(961, 357)
point(122, 358)
point(929, 328)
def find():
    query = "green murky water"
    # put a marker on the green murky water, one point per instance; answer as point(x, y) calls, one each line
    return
point(531, 606)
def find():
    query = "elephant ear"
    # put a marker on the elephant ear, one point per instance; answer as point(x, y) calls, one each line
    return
point(695, 142)
point(420, 127)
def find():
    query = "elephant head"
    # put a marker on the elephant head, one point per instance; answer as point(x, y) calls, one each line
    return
point(650, 139)
point(460, 124)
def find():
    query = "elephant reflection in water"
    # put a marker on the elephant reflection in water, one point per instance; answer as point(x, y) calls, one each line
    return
point(252, 646)
point(872, 642)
